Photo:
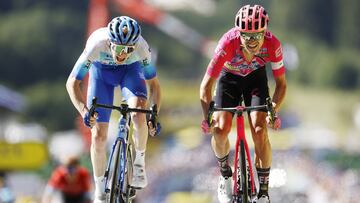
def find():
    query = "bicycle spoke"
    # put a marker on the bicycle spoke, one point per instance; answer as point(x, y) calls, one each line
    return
point(115, 174)
point(244, 173)
point(130, 192)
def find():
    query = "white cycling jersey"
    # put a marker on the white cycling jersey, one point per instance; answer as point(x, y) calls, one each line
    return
point(97, 49)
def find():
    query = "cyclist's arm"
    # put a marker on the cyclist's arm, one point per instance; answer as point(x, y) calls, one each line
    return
point(155, 92)
point(91, 52)
point(205, 93)
point(73, 84)
point(278, 70)
point(150, 74)
point(223, 52)
point(280, 91)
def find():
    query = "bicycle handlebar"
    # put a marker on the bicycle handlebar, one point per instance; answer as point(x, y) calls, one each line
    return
point(123, 108)
point(241, 109)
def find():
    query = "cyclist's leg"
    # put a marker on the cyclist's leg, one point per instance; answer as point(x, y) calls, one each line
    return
point(104, 93)
point(260, 137)
point(135, 93)
point(219, 141)
point(256, 94)
point(139, 121)
point(98, 155)
point(227, 94)
point(220, 145)
point(263, 152)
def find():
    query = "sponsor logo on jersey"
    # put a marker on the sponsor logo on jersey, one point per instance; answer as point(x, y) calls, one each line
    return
point(87, 64)
point(253, 66)
point(234, 35)
point(145, 62)
point(106, 58)
point(219, 51)
point(212, 64)
point(137, 93)
point(263, 52)
point(277, 65)
point(141, 75)
point(263, 55)
point(278, 52)
point(268, 35)
point(242, 68)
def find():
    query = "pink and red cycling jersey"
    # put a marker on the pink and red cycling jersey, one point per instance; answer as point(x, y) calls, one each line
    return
point(229, 56)
point(71, 184)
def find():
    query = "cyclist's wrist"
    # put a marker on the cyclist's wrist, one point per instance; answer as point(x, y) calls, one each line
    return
point(83, 109)
point(276, 107)
point(83, 113)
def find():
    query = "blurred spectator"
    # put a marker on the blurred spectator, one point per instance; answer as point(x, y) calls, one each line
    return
point(71, 181)
point(6, 196)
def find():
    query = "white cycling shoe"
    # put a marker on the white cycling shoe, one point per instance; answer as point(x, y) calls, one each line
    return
point(225, 190)
point(100, 198)
point(263, 199)
point(139, 179)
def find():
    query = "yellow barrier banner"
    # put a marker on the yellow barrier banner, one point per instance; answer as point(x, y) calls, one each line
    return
point(22, 156)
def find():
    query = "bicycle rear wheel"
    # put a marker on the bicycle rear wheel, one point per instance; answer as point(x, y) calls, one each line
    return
point(242, 180)
point(115, 173)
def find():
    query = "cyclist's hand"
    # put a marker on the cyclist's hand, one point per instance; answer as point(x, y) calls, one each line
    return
point(154, 131)
point(206, 129)
point(90, 121)
point(276, 123)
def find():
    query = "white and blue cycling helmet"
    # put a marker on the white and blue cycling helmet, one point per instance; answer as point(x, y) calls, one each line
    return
point(124, 30)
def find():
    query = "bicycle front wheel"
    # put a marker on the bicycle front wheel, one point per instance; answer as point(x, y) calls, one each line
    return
point(115, 174)
point(129, 191)
point(242, 175)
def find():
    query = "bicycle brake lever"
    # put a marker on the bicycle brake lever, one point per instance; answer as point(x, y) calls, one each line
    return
point(93, 107)
point(210, 113)
point(271, 110)
point(153, 116)
point(154, 108)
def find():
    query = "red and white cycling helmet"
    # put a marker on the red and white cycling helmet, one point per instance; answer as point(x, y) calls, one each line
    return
point(252, 18)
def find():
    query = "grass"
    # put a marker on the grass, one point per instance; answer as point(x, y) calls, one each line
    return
point(328, 107)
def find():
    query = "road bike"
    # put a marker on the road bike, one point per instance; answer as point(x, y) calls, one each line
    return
point(119, 169)
point(244, 190)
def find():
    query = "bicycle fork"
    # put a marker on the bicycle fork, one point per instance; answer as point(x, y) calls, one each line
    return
point(120, 139)
point(241, 137)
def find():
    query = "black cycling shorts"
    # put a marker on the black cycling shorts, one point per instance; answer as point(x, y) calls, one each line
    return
point(230, 89)
point(81, 198)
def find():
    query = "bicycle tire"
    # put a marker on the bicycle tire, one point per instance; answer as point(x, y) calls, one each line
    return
point(242, 175)
point(128, 176)
point(114, 189)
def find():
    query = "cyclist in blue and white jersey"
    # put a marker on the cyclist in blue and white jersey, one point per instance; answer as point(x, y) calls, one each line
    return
point(116, 55)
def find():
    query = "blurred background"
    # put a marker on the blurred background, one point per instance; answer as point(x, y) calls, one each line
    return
point(316, 155)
